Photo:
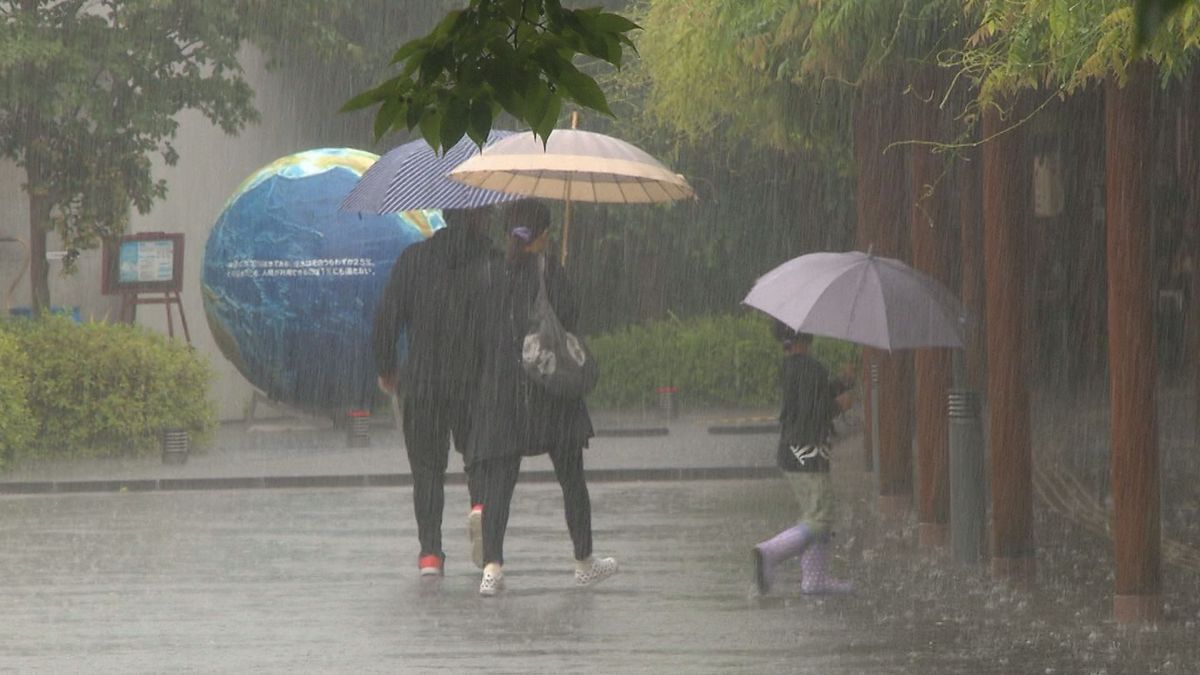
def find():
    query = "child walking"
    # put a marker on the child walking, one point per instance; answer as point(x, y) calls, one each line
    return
point(810, 401)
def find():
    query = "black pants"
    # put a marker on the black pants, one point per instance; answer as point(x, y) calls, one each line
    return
point(498, 478)
point(428, 425)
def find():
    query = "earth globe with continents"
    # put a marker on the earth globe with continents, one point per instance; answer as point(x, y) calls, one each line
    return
point(290, 283)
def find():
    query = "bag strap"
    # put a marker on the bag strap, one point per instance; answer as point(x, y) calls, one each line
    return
point(542, 276)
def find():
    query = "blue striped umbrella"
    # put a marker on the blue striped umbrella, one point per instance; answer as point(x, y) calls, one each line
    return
point(412, 177)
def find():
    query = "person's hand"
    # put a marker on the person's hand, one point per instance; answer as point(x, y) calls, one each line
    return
point(387, 384)
point(845, 400)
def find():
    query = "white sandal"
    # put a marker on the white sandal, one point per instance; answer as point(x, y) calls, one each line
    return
point(493, 580)
point(591, 572)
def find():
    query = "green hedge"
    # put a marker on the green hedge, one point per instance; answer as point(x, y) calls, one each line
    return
point(17, 424)
point(713, 360)
point(98, 389)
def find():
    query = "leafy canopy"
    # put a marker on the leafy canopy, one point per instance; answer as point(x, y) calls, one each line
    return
point(90, 93)
point(91, 89)
point(514, 56)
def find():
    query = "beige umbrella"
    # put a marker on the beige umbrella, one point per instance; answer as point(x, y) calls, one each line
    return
point(574, 166)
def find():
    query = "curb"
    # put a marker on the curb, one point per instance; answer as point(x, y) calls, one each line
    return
point(365, 480)
point(631, 432)
point(727, 429)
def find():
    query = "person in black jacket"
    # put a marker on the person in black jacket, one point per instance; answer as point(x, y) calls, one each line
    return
point(432, 296)
point(514, 416)
point(810, 402)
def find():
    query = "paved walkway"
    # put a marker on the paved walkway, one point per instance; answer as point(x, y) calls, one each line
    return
point(322, 580)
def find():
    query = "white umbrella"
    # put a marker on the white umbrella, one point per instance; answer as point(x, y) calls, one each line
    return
point(573, 166)
point(862, 298)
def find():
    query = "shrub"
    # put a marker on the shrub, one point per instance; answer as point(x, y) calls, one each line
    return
point(17, 425)
point(713, 360)
point(99, 389)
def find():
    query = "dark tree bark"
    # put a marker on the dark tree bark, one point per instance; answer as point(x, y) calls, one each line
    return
point(1006, 206)
point(881, 187)
point(932, 231)
point(1132, 349)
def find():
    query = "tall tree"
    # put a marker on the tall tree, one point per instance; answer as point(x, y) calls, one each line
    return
point(92, 89)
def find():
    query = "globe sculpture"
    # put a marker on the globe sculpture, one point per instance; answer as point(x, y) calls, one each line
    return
point(290, 283)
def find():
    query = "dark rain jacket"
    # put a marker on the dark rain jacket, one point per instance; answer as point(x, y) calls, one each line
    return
point(806, 416)
point(433, 295)
point(513, 415)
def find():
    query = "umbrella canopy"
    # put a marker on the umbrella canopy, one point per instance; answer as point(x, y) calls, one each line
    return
point(574, 166)
point(412, 177)
point(859, 297)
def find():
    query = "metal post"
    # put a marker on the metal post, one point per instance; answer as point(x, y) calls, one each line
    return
point(968, 485)
point(874, 422)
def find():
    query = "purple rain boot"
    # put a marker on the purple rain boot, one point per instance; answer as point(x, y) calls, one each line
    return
point(775, 550)
point(813, 564)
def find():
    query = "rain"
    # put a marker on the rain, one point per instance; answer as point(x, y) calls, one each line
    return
point(985, 213)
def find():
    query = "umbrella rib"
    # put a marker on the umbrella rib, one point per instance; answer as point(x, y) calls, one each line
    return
point(858, 290)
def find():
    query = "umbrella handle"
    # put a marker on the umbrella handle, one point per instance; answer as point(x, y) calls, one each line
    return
point(562, 258)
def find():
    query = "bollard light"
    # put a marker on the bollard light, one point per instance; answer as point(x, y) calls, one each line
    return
point(667, 402)
point(174, 446)
point(968, 481)
point(358, 434)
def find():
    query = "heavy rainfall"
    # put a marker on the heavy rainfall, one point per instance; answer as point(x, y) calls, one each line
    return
point(843, 337)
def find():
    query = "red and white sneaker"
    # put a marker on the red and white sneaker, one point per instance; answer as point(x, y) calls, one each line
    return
point(475, 533)
point(430, 565)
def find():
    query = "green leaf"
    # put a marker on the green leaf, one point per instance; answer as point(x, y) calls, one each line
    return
point(613, 23)
point(413, 114)
point(446, 25)
point(409, 48)
point(512, 9)
point(612, 51)
point(455, 116)
point(369, 97)
point(549, 118)
point(1149, 16)
point(389, 113)
point(584, 90)
point(431, 124)
point(536, 99)
point(433, 64)
point(551, 61)
point(480, 121)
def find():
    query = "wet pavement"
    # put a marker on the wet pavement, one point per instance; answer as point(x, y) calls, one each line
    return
point(324, 580)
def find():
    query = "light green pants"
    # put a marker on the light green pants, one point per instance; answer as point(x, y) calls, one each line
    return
point(814, 497)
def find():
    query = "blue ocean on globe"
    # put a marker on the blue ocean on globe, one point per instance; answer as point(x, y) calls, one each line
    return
point(290, 283)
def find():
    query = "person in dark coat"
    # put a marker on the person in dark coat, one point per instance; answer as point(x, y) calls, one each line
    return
point(434, 291)
point(514, 416)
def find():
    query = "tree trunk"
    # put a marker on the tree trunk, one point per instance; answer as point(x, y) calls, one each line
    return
point(1006, 204)
point(39, 203)
point(1131, 348)
point(931, 231)
point(881, 186)
point(39, 226)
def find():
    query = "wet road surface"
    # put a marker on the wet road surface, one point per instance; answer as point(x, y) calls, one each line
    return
point(325, 581)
